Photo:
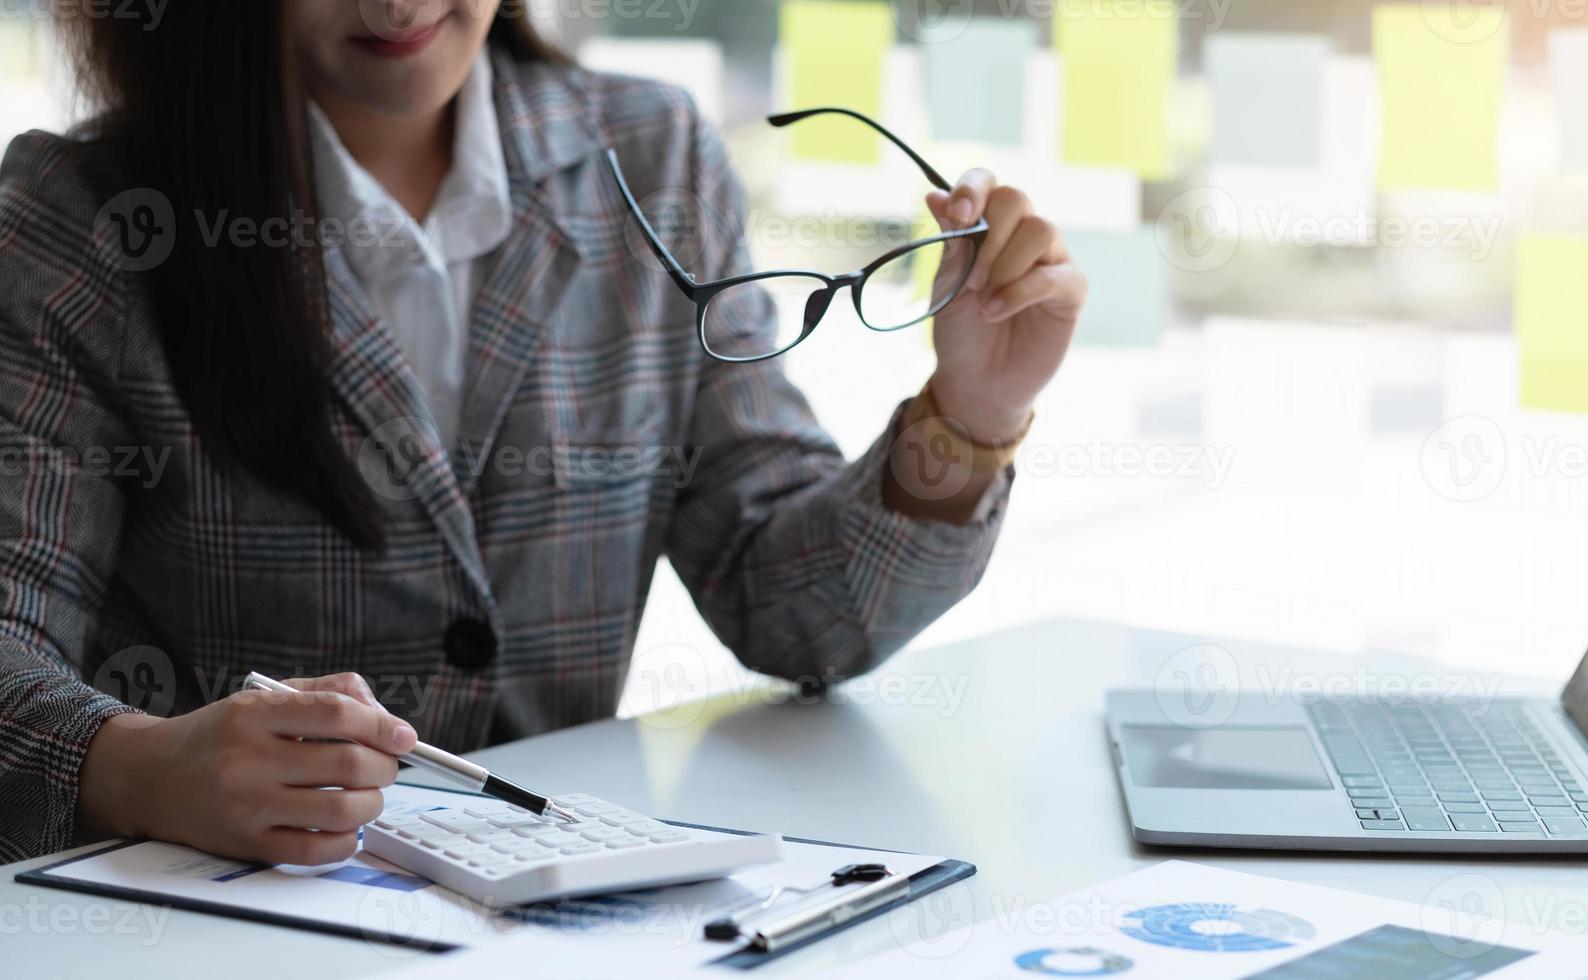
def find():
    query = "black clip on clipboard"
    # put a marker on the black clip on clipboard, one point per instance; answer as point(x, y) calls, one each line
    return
point(880, 889)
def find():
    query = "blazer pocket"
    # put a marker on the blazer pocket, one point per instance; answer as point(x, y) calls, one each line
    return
point(616, 456)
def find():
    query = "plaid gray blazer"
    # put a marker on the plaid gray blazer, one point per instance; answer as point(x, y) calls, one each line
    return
point(135, 574)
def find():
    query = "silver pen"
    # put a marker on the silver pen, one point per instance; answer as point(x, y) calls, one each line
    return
point(459, 770)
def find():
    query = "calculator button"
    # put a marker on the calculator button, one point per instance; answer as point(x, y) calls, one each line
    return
point(648, 827)
point(625, 842)
point(621, 819)
point(538, 831)
point(513, 821)
point(467, 852)
point(574, 799)
point(670, 837)
point(453, 820)
point(602, 834)
point(582, 847)
point(595, 809)
point(486, 810)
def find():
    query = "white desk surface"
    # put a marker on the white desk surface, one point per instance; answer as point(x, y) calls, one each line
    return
point(1013, 775)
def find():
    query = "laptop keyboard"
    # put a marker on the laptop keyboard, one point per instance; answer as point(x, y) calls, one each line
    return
point(1449, 767)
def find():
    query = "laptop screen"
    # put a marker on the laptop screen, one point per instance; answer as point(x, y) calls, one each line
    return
point(1575, 697)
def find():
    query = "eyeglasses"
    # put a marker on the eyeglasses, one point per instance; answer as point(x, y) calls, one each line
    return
point(739, 319)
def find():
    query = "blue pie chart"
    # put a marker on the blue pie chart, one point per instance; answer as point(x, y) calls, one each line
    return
point(1074, 961)
point(1216, 927)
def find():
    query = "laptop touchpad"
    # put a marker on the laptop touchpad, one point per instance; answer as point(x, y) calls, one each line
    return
point(1222, 758)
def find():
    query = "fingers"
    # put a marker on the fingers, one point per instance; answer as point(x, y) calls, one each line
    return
point(344, 764)
point(1034, 242)
point(283, 845)
point(1006, 207)
point(325, 714)
point(968, 201)
point(353, 685)
point(336, 811)
point(1061, 284)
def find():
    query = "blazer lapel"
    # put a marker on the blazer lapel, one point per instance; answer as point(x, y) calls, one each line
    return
point(547, 125)
point(401, 455)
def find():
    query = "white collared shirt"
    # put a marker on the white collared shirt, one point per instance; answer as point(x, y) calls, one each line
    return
point(423, 280)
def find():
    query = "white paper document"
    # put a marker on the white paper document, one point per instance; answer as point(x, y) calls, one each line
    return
point(1192, 922)
point(371, 899)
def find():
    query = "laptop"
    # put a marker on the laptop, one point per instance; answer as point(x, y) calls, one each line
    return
point(1488, 775)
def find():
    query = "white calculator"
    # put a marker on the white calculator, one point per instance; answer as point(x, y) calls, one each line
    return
point(500, 854)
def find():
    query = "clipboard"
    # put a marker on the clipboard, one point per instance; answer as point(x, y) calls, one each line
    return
point(58, 875)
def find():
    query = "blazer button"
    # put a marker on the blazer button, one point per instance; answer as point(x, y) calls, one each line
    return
point(470, 644)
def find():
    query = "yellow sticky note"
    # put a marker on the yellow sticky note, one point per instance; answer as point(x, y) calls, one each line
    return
point(1552, 322)
point(17, 45)
point(1119, 68)
point(835, 53)
point(1441, 71)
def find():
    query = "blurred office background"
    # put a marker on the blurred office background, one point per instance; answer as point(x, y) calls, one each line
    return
point(1331, 388)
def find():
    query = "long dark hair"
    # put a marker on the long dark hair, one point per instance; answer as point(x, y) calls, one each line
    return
point(209, 108)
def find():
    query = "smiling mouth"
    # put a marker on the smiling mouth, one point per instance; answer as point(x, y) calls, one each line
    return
point(399, 44)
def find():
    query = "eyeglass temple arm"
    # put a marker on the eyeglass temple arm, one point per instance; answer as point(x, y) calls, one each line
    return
point(685, 281)
point(788, 118)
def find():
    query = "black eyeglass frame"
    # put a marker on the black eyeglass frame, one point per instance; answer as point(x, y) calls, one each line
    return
point(702, 293)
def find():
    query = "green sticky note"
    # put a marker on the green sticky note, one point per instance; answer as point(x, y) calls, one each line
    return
point(1119, 67)
point(975, 78)
point(1552, 322)
point(835, 53)
point(1441, 71)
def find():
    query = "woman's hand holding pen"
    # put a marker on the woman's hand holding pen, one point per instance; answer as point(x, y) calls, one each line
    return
point(245, 777)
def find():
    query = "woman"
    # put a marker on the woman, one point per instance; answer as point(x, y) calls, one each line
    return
point(233, 443)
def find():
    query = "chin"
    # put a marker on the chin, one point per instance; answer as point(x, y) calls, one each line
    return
point(407, 89)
